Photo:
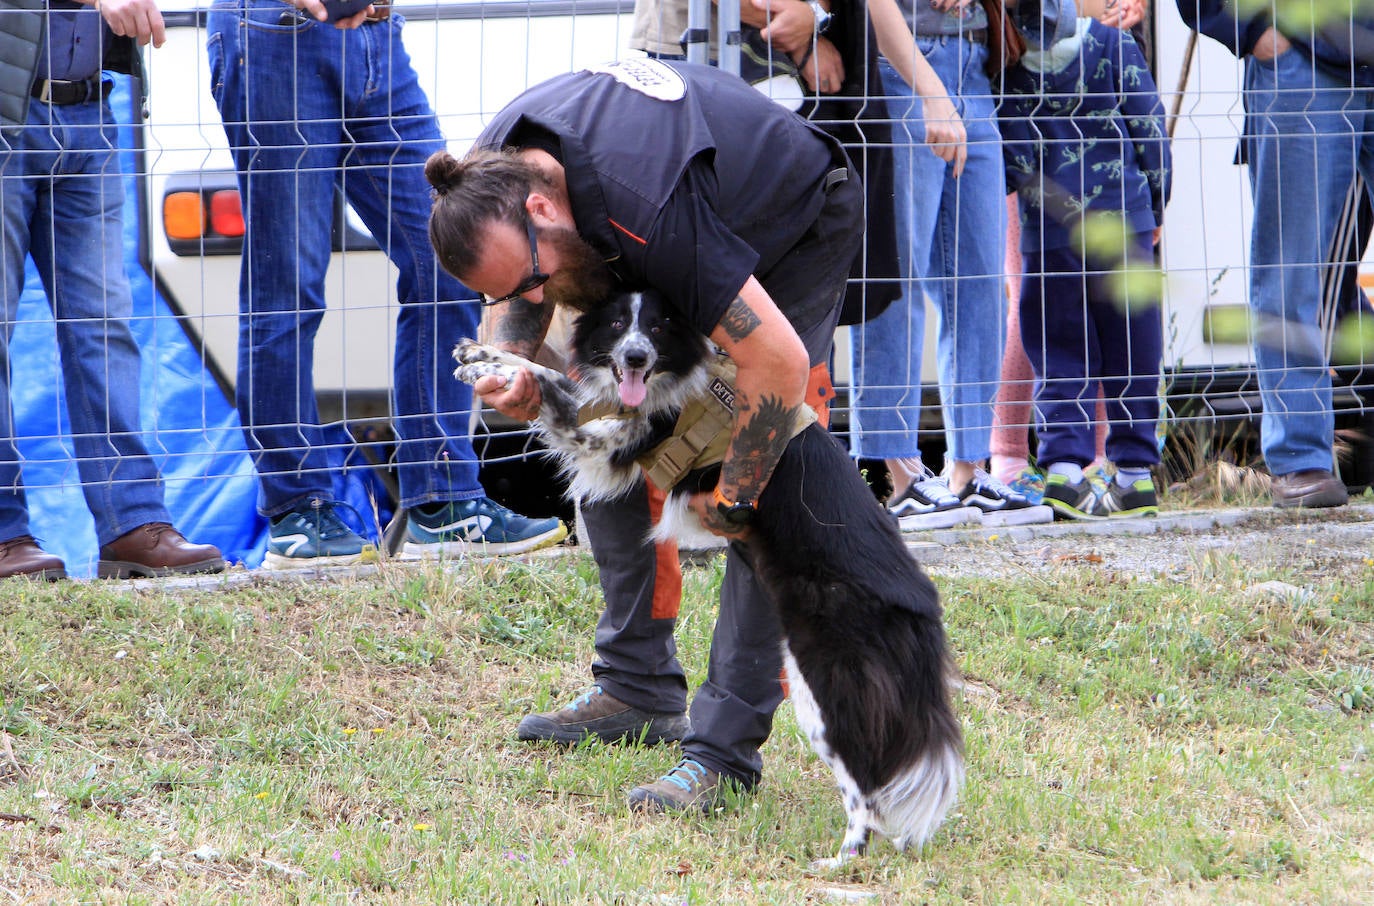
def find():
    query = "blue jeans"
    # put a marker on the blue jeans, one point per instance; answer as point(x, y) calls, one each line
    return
point(951, 235)
point(62, 200)
point(1306, 137)
point(308, 108)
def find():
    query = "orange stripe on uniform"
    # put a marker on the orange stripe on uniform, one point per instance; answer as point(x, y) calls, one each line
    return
point(667, 597)
point(820, 390)
point(627, 232)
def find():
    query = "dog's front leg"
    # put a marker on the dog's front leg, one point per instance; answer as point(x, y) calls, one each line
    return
point(557, 404)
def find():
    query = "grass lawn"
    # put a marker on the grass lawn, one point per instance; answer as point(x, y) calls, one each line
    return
point(284, 741)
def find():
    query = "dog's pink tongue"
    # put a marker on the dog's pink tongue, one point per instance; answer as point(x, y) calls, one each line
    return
point(632, 389)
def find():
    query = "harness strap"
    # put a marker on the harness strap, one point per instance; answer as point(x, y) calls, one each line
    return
point(702, 433)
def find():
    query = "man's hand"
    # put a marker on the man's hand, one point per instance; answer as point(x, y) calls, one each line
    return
point(1123, 14)
point(791, 24)
point(137, 19)
point(711, 519)
point(823, 70)
point(520, 400)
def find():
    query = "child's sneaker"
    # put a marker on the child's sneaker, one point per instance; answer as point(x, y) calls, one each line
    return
point(1136, 499)
point(1030, 484)
point(928, 503)
point(1072, 499)
point(479, 526)
point(314, 535)
point(999, 504)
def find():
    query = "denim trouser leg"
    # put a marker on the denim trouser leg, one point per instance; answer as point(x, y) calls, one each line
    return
point(952, 239)
point(886, 352)
point(358, 118)
point(63, 201)
point(1307, 136)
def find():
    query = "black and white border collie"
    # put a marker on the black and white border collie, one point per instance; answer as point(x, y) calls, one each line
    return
point(864, 647)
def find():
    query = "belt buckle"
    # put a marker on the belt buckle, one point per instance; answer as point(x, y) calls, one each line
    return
point(46, 94)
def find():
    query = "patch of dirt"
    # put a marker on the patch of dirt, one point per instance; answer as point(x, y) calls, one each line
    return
point(1332, 544)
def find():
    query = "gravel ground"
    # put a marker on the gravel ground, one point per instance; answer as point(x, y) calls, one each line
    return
point(1332, 542)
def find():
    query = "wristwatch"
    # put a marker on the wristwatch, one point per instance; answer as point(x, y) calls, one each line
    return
point(823, 16)
point(741, 513)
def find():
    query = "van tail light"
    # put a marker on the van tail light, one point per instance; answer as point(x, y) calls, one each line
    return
point(183, 215)
point(226, 213)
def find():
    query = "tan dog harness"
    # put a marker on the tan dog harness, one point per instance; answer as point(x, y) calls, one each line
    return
point(702, 432)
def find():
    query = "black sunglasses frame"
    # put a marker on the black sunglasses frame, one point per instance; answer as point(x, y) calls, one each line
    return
point(536, 278)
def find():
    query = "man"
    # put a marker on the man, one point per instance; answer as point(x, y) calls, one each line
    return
point(746, 218)
point(1309, 102)
point(309, 109)
point(62, 203)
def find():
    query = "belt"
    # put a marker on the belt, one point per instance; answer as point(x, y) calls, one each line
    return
point(62, 92)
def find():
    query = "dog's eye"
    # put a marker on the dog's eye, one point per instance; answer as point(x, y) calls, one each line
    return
point(618, 324)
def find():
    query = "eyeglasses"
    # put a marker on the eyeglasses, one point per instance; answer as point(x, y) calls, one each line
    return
point(536, 278)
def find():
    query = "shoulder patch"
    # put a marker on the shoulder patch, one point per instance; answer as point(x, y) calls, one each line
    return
point(649, 77)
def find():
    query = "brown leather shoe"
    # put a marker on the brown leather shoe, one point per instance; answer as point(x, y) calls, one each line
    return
point(156, 549)
point(1313, 488)
point(23, 557)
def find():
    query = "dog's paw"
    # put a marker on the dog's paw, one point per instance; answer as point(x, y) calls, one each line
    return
point(469, 351)
point(470, 373)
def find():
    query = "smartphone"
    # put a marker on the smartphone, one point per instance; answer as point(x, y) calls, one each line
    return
point(342, 9)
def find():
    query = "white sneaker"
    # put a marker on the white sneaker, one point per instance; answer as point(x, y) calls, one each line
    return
point(999, 504)
point(928, 503)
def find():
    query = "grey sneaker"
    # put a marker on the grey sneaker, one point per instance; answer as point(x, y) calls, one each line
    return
point(598, 714)
point(690, 785)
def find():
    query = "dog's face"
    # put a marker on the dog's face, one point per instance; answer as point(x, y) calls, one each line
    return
point(635, 343)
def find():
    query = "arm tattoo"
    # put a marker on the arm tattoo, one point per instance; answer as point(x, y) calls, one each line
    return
point(739, 320)
point(761, 434)
point(522, 327)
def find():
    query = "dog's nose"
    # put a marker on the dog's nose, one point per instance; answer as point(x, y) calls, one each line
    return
point(636, 358)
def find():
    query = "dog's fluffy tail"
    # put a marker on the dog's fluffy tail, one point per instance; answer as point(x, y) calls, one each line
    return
point(912, 805)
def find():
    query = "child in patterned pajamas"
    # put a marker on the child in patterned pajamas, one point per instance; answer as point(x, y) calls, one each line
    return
point(1086, 151)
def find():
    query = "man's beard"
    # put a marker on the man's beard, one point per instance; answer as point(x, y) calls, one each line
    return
point(583, 280)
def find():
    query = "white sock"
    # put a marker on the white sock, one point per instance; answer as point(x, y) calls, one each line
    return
point(1070, 470)
point(1127, 477)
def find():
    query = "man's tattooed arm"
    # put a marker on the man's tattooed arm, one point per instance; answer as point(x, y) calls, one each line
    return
point(520, 326)
point(739, 320)
point(762, 431)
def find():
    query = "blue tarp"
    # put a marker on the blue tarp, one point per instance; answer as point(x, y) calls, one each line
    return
point(192, 431)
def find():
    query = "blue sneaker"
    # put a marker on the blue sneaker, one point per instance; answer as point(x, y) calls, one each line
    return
point(314, 535)
point(477, 526)
point(1030, 484)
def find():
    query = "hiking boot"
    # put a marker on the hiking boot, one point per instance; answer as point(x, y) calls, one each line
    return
point(1071, 499)
point(1311, 489)
point(928, 503)
point(690, 785)
point(1136, 499)
point(314, 535)
point(477, 526)
point(999, 504)
point(597, 714)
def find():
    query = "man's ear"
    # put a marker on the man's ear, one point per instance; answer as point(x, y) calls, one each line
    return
point(542, 210)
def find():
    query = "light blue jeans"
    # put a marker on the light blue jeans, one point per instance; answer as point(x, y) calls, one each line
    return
point(951, 234)
point(62, 201)
point(308, 108)
point(1307, 134)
